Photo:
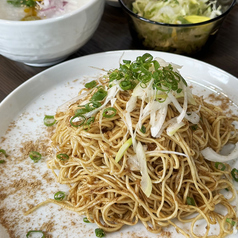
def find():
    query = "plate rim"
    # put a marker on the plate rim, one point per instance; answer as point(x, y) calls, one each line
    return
point(104, 53)
point(7, 103)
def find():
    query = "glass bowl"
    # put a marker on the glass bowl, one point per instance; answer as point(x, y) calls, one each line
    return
point(186, 39)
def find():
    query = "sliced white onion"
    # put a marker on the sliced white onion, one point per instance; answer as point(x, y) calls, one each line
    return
point(159, 121)
point(156, 152)
point(154, 106)
point(164, 63)
point(144, 98)
point(211, 155)
point(131, 104)
point(192, 117)
point(112, 92)
point(185, 106)
point(128, 122)
point(146, 184)
point(113, 101)
point(171, 130)
point(138, 91)
point(123, 149)
point(167, 123)
point(132, 163)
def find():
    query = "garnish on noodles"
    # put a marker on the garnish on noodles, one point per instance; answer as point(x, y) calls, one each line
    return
point(141, 147)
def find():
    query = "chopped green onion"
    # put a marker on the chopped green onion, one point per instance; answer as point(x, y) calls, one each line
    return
point(3, 152)
point(220, 166)
point(18, 3)
point(234, 173)
point(143, 70)
point(99, 95)
point(90, 121)
point(81, 111)
point(99, 232)
point(36, 231)
point(143, 129)
point(194, 127)
point(147, 57)
point(35, 156)
point(85, 219)
point(91, 84)
point(59, 196)
point(92, 105)
point(115, 75)
point(77, 116)
point(62, 157)
point(88, 107)
point(229, 220)
point(127, 84)
point(123, 149)
point(190, 201)
point(109, 112)
point(49, 120)
point(227, 189)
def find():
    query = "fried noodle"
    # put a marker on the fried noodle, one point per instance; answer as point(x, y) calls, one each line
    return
point(110, 194)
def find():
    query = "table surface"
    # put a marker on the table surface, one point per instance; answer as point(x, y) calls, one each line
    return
point(113, 34)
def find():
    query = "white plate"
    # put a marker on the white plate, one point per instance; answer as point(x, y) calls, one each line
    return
point(42, 94)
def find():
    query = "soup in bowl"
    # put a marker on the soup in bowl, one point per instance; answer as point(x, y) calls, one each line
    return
point(27, 10)
point(44, 35)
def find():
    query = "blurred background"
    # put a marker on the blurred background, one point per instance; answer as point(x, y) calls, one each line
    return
point(113, 34)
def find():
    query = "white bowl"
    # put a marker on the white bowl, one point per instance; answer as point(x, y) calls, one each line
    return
point(49, 41)
point(113, 3)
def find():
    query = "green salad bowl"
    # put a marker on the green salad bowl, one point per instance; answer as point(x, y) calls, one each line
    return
point(186, 39)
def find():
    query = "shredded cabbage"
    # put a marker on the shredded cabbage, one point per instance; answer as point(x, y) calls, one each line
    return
point(187, 40)
point(176, 11)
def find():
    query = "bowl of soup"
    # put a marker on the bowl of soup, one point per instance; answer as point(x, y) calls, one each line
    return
point(45, 32)
point(176, 26)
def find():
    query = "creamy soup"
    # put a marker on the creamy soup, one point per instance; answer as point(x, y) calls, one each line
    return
point(37, 10)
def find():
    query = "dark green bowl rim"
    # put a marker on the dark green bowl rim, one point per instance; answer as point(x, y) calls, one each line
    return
point(130, 12)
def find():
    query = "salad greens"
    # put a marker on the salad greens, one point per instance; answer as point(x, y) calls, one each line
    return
point(176, 11)
point(182, 37)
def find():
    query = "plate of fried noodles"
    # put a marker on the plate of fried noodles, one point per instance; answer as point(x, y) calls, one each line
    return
point(121, 144)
